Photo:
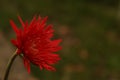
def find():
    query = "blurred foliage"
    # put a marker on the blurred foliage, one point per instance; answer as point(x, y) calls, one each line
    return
point(90, 31)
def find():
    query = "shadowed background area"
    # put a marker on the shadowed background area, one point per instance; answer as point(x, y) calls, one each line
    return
point(90, 30)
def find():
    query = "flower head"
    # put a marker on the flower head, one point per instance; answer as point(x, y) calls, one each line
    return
point(34, 42)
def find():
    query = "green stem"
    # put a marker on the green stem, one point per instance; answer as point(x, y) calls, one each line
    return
point(9, 65)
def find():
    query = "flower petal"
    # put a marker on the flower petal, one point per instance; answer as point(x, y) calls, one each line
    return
point(20, 19)
point(33, 21)
point(42, 24)
point(27, 64)
point(40, 67)
point(55, 43)
point(49, 29)
point(48, 67)
point(14, 27)
point(34, 41)
point(15, 42)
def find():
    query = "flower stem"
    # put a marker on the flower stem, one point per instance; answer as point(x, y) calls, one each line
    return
point(9, 65)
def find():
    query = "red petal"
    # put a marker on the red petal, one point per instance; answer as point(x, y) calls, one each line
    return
point(33, 21)
point(56, 42)
point(39, 18)
point(14, 27)
point(19, 51)
point(47, 67)
point(40, 67)
point(43, 21)
point(49, 29)
point(27, 64)
point(15, 42)
point(54, 49)
point(23, 25)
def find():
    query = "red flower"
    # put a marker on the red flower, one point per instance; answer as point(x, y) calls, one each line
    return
point(34, 42)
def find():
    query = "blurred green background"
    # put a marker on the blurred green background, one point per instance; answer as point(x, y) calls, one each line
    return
point(90, 30)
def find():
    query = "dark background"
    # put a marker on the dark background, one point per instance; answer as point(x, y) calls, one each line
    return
point(90, 30)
